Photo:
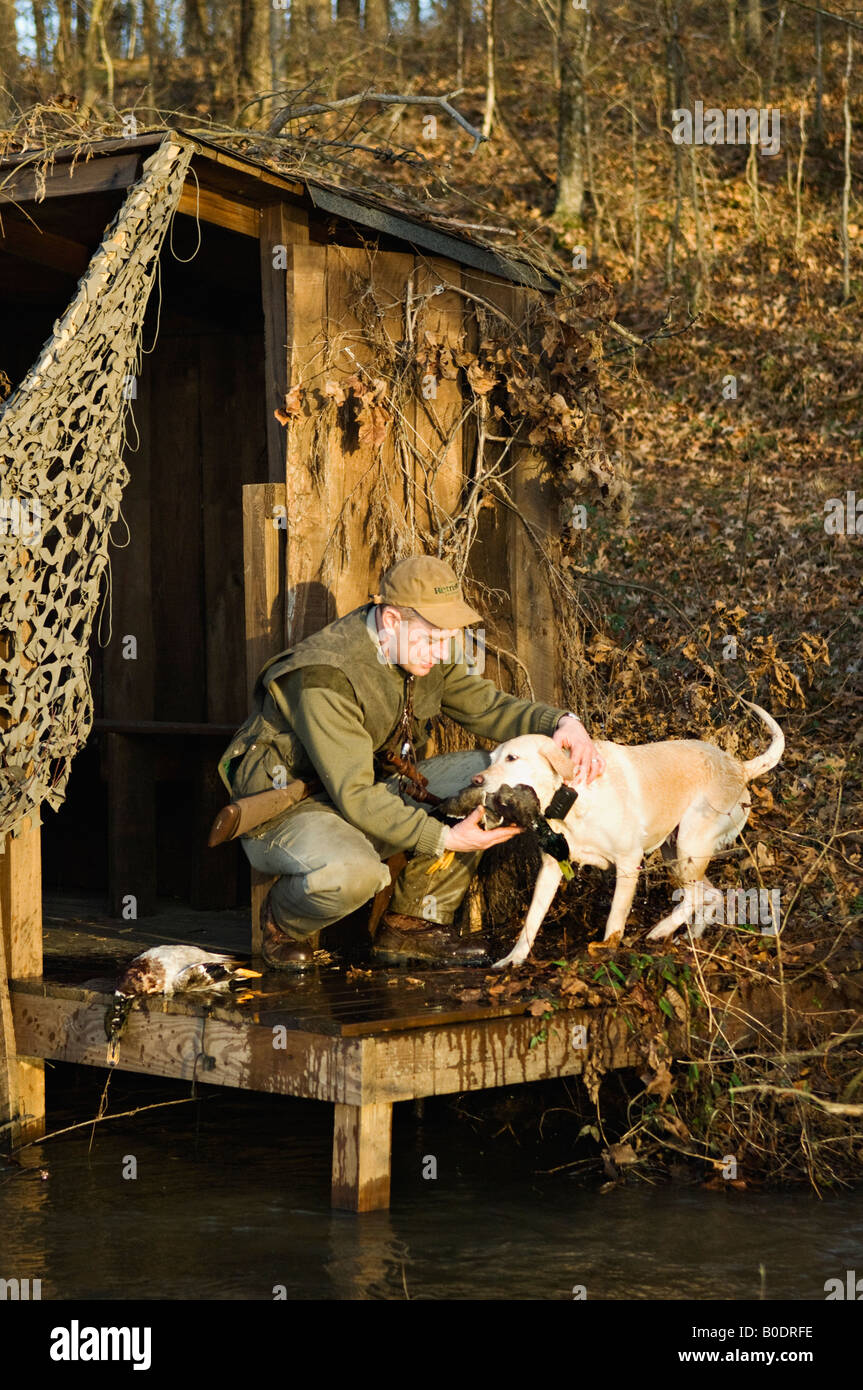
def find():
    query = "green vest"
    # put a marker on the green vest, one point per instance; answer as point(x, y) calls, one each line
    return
point(266, 740)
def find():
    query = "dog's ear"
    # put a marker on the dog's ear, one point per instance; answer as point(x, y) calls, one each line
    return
point(559, 761)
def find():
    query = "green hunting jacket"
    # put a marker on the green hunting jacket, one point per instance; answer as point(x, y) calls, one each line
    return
point(329, 704)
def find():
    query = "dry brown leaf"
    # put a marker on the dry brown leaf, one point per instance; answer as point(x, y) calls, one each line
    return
point(373, 421)
point(293, 405)
point(336, 391)
point(481, 379)
point(676, 1002)
point(672, 1124)
point(661, 1083)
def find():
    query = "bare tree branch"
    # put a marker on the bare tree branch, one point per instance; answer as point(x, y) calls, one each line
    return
point(289, 113)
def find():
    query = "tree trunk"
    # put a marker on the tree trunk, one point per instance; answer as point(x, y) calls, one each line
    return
point(254, 60)
point(459, 14)
point(775, 51)
point(819, 77)
point(63, 46)
point(9, 63)
point(488, 116)
point(319, 16)
point(91, 48)
point(675, 90)
point(194, 26)
point(754, 27)
point(416, 23)
point(636, 201)
point(377, 19)
point(570, 129)
point(41, 37)
point(151, 40)
point(732, 23)
point(846, 185)
point(348, 11)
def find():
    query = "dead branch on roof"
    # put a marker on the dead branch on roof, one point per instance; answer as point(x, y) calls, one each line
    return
point(317, 108)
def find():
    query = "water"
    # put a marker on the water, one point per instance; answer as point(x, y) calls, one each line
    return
point(231, 1200)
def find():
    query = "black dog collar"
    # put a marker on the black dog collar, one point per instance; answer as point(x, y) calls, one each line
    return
point(561, 803)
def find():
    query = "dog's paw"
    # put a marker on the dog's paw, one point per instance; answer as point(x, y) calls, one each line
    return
point(661, 933)
point(515, 957)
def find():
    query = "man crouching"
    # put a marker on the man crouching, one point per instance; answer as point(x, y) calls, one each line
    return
point(333, 707)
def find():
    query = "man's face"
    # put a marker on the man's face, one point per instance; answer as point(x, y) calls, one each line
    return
point(414, 644)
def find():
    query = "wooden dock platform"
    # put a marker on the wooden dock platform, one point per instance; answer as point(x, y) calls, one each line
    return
point(360, 1038)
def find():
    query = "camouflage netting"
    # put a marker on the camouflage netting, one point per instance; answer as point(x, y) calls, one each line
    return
point(61, 480)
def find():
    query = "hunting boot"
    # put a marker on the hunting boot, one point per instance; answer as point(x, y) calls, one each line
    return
point(404, 940)
point(426, 890)
point(279, 950)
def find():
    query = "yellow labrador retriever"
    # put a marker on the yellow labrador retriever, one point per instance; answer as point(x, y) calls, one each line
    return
point(646, 792)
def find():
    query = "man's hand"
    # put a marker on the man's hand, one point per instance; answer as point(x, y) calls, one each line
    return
point(467, 834)
point(573, 736)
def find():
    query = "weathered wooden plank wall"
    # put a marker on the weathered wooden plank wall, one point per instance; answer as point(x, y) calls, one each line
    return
point(342, 493)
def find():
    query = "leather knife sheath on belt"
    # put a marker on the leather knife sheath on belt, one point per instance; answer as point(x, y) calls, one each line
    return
point(247, 812)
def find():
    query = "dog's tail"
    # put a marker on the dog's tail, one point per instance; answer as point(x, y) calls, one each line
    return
point(770, 757)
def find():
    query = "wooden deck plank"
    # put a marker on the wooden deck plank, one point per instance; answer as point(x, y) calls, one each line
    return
point(183, 1046)
point(322, 1002)
point(467, 1055)
point(478, 1055)
point(85, 954)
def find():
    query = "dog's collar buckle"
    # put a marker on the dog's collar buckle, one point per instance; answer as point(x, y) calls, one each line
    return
point(561, 803)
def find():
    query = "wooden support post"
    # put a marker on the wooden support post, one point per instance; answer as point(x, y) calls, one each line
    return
point(281, 228)
point(22, 1079)
point(532, 607)
point(129, 682)
point(231, 376)
point(362, 1143)
point(9, 1103)
point(264, 539)
point(531, 523)
point(132, 831)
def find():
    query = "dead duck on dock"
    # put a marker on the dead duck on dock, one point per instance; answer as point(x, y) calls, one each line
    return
point(168, 970)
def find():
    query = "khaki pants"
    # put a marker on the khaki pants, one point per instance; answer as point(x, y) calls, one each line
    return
point(328, 868)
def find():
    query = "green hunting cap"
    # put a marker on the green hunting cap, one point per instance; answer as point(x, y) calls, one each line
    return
point(431, 587)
